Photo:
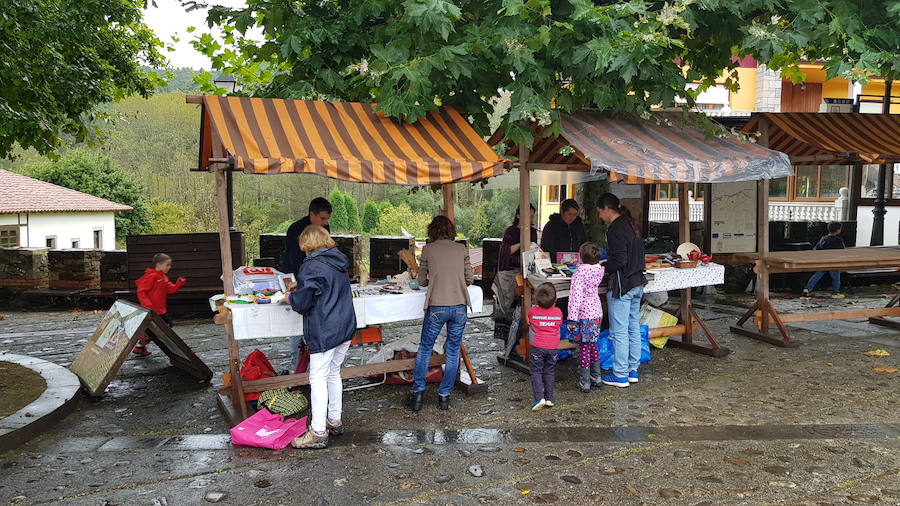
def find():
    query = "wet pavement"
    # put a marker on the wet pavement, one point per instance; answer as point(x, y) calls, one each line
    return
point(814, 424)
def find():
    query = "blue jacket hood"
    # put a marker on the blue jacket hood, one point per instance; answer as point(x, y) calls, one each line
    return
point(331, 257)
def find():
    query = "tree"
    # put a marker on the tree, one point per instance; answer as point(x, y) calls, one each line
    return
point(95, 174)
point(354, 223)
point(551, 56)
point(370, 218)
point(397, 219)
point(171, 218)
point(340, 219)
point(62, 59)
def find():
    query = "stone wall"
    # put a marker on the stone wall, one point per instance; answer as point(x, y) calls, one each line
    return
point(114, 270)
point(74, 268)
point(24, 268)
point(768, 90)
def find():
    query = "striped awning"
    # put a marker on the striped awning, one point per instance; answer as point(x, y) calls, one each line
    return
point(832, 138)
point(342, 140)
point(658, 150)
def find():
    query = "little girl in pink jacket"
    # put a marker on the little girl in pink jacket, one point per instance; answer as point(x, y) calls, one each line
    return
point(586, 314)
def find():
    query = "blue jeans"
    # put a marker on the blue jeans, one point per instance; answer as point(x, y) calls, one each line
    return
point(835, 280)
point(625, 330)
point(435, 317)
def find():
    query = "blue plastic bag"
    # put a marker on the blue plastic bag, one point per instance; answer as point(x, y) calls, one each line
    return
point(606, 351)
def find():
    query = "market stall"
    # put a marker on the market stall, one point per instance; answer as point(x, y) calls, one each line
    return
point(818, 139)
point(340, 140)
point(640, 151)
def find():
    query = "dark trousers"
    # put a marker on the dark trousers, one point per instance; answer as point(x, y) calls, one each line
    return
point(543, 372)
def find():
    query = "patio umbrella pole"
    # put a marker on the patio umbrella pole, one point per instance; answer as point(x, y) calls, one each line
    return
point(524, 239)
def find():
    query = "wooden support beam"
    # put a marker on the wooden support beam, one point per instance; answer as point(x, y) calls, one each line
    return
point(840, 315)
point(563, 167)
point(193, 99)
point(525, 235)
point(762, 234)
point(684, 235)
point(449, 191)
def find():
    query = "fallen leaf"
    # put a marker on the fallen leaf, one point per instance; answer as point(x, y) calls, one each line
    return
point(829, 364)
point(877, 353)
point(631, 490)
point(884, 368)
point(737, 462)
point(525, 492)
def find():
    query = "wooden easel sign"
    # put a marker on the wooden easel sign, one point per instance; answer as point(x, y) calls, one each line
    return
point(118, 333)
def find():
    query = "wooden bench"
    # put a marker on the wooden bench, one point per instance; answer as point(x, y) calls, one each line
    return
point(197, 257)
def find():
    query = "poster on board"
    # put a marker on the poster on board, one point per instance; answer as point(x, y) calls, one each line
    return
point(117, 334)
point(733, 227)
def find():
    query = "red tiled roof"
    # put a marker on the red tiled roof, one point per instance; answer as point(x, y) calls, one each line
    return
point(22, 194)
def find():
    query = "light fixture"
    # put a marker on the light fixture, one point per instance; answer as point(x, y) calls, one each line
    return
point(226, 82)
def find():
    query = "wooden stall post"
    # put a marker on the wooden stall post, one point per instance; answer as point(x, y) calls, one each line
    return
point(524, 238)
point(234, 354)
point(684, 235)
point(449, 191)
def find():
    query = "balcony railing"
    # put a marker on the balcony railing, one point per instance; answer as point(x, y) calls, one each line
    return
point(667, 211)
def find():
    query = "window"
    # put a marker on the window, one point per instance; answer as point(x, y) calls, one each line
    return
point(778, 188)
point(76, 243)
point(98, 239)
point(869, 182)
point(820, 182)
point(669, 191)
point(9, 237)
point(556, 194)
point(51, 241)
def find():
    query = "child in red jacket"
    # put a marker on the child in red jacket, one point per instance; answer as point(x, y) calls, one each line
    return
point(152, 289)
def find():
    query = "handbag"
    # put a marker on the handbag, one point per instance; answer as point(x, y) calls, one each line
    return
point(282, 401)
point(256, 366)
point(264, 429)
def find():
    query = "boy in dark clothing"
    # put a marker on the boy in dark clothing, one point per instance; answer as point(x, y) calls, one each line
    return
point(831, 241)
point(153, 288)
point(319, 214)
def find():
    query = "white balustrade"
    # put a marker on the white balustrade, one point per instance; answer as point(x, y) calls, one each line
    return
point(667, 211)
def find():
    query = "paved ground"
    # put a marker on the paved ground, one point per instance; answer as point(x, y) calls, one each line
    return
point(810, 425)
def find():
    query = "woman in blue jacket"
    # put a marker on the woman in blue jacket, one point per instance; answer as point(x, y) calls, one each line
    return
point(324, 299)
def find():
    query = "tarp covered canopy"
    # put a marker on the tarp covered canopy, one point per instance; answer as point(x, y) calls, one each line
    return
point(636, 150)
point(342, 140)
point(832, 138)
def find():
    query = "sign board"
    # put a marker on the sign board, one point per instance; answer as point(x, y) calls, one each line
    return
point(115, 338)
point(733, 227)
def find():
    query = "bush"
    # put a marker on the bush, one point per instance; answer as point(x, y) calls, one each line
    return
point(340, 221)
point(97, 175)
point(354, 223)
point(402, 217)
point(171, 218)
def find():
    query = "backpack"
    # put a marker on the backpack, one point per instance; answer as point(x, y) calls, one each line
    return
point(256, 366)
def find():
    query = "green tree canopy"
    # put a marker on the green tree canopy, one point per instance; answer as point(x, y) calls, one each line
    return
point(370, 217)
point(340, 219)
point(92, 173)
point(551, 55)
point(354, 223)
point(61, 59)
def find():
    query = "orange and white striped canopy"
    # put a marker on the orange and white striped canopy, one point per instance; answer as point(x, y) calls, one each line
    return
point(342, 140)
point(833, 138)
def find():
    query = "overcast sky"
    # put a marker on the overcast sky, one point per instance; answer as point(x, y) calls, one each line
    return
point(168, 18)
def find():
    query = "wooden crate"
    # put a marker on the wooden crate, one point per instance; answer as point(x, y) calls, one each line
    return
point(383, 258)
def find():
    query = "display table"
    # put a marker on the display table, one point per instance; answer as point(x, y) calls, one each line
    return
point(812, 261)
point(658, 280)
point(261, 321)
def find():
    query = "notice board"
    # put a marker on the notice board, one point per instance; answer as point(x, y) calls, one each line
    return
point(116, 336)
point(733, 223)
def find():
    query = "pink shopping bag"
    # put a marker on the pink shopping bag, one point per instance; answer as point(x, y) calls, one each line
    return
point(267, 430)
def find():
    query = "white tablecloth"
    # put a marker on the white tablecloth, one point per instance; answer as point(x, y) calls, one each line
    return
point(256, 321)
point(659, 280)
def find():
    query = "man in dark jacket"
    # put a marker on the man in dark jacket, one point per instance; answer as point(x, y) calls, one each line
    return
point(564, 232)
point(319, 214)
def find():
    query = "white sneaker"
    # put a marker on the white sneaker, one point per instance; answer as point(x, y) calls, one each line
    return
point(538, 405)
point(549, 404)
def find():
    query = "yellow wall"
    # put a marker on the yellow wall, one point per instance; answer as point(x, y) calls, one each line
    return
point(545, 209)
point(876, 87)
point(745, 98)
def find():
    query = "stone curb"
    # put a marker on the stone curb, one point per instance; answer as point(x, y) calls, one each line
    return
point(57, 401)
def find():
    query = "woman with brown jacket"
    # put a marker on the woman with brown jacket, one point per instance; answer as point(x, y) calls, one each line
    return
point(444, 268)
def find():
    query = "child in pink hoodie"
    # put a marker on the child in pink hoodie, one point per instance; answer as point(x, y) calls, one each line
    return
point(586, 314)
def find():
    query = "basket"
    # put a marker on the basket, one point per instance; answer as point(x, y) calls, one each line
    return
point(685, 264)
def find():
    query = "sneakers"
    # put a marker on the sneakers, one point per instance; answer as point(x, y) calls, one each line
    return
point(334, 429)
point(311, 441)
point(838, 296)
point(549, 404)
point(538, 405)
point(806, 293)
point(615, 381)
point(140, 351)
point(633, 377)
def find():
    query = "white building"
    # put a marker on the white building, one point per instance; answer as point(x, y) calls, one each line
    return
point(37, 214)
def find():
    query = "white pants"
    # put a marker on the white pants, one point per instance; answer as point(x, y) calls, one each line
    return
point(325, 386)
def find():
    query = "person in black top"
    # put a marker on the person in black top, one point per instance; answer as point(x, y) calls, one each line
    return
point(625, 271)
point(831, 241)
point(319, 214)
point(564, 232)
